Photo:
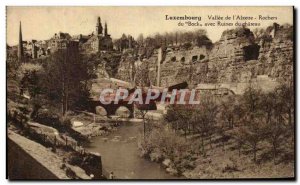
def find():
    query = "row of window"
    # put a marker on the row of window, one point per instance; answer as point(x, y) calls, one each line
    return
point(194, 58)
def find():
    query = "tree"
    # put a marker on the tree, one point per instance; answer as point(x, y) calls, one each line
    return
point(180, 118)
point(142, 110)
point(258, 33)
point(251, 100)
point(203, 120)
point(228, 110)
point(284, 112)
point(224, 137)
point(142, 113)
point(268, 101)
point(65, 78)
point(210, 112)
point(187, 45)
point(12, 66)
point(253, 133)
point(203, 40)
point(125, 42)
point(275, 135)
point(30, 81)
point(286, 96)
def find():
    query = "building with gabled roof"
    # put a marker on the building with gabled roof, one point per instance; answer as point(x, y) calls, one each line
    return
point(101, 41)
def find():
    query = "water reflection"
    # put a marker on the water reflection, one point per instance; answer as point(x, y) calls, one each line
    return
point(120, 154)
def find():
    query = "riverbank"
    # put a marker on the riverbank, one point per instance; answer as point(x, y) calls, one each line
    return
point(44, 142)
point(90, 125)
point(64, 136)
point(184, 157)
point(120, 154)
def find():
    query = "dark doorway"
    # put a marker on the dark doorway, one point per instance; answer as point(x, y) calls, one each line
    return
point(194, 58)
point(251, 52)
point(182, 60)
point(173, 59)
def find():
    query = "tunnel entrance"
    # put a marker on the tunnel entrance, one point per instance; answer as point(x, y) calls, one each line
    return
point(251, 52)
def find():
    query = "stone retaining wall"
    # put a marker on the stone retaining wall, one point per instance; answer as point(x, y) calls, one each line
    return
point(29, 160)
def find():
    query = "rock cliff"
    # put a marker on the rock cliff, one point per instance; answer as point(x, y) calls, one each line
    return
point(238, 57)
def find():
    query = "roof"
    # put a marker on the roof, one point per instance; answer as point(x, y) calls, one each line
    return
point(90, 40)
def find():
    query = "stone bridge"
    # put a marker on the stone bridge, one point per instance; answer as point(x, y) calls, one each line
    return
point(110, 109)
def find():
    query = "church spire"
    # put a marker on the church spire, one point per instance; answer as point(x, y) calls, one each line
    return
point(105, 29)
point(20, 46)
point(99, 28)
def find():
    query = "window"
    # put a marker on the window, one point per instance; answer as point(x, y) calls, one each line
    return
point(202, 57)
point(173, 59)
point(194, 58)
point(182, 59)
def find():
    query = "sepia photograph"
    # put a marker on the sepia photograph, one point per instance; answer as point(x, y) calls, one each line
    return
point(150, 93)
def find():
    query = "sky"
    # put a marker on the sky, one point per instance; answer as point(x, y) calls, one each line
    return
point(42, 22)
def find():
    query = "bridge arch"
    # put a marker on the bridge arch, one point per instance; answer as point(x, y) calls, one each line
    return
point(110, 109)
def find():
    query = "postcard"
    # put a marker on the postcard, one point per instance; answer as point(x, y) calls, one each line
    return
point(150, 93)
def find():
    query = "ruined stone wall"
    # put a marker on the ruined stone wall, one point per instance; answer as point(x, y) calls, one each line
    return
point(235, 58)
point(228, 57)
point(229, 60)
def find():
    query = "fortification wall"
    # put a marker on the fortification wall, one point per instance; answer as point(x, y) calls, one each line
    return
point(236, 58)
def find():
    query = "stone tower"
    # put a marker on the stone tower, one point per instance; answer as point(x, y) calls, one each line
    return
point(20, 46)
point(34, 50)
point(105, 29)
point(99, 28)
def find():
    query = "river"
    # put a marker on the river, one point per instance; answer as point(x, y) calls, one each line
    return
point(120, 154)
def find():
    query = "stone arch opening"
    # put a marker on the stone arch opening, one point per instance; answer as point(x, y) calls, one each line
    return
point(194, 58)
point(173, 59)
point(201, 57)
point(182, 59)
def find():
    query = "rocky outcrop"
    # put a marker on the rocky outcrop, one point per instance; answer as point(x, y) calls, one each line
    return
point(126, 68)
point(238, 57)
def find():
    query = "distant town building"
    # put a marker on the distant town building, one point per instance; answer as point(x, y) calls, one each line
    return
point(62, 41)
point(82, 38)
point(101, 41)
